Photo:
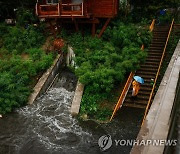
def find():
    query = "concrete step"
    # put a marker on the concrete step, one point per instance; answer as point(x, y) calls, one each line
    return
point(144, 93)
point(135, 101)
point(159, 38)
point(146, 73)
point(134, 105)
point(157, 45)
point(139, 97)
point(155, 48)
point(146, 67)
point(150, 69)
point(153, 59)
point(154, 53)
point(152, 63)
point(145, 76)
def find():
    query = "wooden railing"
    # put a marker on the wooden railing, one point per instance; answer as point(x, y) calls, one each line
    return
point(152, 91)
point(128, 82)
point(47, 10)
point(71, 9)
point(60, 9)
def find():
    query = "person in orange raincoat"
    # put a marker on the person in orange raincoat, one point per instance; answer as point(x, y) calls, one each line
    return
point(136, 88)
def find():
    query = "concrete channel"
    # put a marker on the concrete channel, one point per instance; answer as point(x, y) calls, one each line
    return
point(46, 79)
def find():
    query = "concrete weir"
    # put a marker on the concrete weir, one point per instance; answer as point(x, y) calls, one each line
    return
point(157, 123)
point(46, 79)
point(77, 99)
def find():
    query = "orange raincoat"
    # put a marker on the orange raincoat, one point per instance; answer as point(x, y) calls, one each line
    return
point(136, 88)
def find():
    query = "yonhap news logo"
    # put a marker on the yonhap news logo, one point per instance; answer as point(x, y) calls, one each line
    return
point(105, 142)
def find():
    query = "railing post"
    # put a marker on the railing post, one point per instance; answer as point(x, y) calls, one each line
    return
point(37, 9)
point(59, 9)
point(82, 8)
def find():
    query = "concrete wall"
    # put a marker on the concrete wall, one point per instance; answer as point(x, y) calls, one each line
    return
point(46, 79)
point(77, 99)
point(157, 122)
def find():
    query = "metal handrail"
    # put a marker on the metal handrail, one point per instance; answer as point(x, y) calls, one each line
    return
point(123, 94)
point(128, 82)
point(149, 102)
point(151, 27)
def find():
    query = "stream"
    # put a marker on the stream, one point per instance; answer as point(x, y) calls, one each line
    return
point(46, 127)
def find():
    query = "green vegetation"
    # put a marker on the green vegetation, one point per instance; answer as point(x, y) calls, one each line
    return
point(136, 11)
point(21, 62)
point(18, 39)
point(101, 63)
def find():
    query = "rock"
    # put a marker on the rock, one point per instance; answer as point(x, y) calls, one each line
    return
point(84, 117)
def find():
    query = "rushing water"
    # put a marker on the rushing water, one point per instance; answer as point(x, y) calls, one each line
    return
point(46, 127)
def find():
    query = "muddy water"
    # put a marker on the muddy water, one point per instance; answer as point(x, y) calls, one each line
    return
point(46, 127)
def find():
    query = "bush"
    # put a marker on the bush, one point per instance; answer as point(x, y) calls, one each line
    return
point(20, 39)
point(103, 62)
point(16, 78)
point(40, 59)
point(25, 17)
point(3, 29)
point(18, 74)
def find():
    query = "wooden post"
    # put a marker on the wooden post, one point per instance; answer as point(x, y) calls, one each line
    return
point(104, 27)
point(51, 27)
point(76, 25)
point(93, 29)
point(59, 25)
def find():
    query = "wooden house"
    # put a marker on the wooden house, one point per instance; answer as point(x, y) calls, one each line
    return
point(87, 11)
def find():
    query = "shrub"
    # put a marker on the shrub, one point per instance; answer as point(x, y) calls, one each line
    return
point(16, 78)
point(25, 17)
point(18, 74)
point(3, 29)
point(20, 39)
point(103, 62)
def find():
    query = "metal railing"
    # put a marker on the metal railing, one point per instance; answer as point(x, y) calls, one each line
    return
point(152, 91)
point(151, 27)
point(123, 94)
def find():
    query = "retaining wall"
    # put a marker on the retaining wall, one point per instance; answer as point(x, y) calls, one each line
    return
point(46, 79)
